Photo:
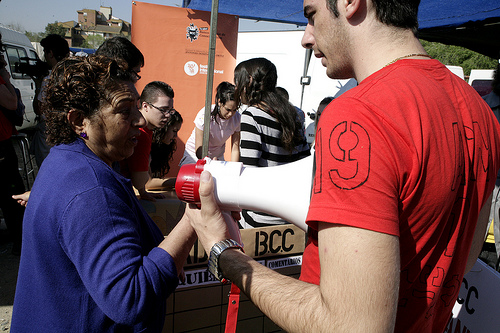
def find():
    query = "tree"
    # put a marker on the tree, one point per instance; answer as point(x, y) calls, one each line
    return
point(35, 36)
point(93, 41)
point(459, 56)
point(32, 36)
point(15, 26)
point(55, 28)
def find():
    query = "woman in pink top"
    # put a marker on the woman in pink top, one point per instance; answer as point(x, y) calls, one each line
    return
point(224, 123)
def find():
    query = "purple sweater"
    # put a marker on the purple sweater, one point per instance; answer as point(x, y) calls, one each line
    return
point(89, 260)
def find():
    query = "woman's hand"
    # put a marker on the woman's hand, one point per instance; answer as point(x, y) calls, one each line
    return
point(22, 199)
point(145, 195)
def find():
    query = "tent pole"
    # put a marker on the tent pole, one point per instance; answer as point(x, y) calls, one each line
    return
point(305, 80)
point(210, 76)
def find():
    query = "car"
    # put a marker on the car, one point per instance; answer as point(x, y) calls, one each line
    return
point(481, 80)
point(457, 70)
point(22, 61)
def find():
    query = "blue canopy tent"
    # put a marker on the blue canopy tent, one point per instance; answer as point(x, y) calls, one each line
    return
point(265, 10)
point(79, 49)
point(474, 24)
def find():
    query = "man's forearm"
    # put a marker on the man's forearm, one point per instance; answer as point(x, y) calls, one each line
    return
point(294, 305)
point(342, 303)
point(359, 275)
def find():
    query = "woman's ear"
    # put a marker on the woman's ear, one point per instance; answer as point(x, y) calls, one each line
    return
point(76, 121)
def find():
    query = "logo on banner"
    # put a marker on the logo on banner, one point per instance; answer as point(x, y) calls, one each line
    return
point(191, 68)
point(192, 32)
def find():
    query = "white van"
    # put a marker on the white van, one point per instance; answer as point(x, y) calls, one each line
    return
point(457, 70)
point(481, 80)
point(18, 48)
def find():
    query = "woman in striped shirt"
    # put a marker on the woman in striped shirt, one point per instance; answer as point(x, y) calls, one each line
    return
point(270, 128)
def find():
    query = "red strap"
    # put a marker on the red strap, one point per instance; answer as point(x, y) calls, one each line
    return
point(232, 309)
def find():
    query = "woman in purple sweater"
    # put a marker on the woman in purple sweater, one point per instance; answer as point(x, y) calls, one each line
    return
point(92, 259)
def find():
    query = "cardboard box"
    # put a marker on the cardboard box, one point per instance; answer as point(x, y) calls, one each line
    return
point(282, 240)
point(200, 303)
point(164, 212)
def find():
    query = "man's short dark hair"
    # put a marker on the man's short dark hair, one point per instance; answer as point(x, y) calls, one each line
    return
point(283, 92)
point(121, 48)
point(155, 89)
point(57, 44)
point(397, 13)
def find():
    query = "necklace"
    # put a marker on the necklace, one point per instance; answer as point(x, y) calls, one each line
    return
point(409, 56)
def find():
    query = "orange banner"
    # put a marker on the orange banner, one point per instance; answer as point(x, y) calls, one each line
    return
point(175, 44)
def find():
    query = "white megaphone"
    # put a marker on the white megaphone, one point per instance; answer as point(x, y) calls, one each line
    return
point(283, 191)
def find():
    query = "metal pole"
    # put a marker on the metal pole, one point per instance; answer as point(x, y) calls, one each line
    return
point(305, 79)
point(210, 76)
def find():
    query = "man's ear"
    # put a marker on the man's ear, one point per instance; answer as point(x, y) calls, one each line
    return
point(352, 7)
point(50, 54)
point(76, 121)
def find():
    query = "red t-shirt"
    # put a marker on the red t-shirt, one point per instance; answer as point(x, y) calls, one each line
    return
point(139, 161)
point(6, 127)
point(412, 152)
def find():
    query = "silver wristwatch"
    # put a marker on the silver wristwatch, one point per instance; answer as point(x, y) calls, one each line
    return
point(215, 252)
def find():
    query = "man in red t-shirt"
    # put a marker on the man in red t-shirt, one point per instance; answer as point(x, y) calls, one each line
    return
point(157, 105)
point(405, 166)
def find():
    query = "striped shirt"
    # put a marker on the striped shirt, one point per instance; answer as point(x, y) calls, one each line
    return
point(261, 146)
point(261, 143)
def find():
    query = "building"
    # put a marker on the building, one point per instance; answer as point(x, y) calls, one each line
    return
point(94, 26)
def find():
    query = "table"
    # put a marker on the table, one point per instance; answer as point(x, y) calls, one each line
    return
point(165, 212)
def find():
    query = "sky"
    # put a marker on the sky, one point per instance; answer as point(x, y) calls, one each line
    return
point(34, 15)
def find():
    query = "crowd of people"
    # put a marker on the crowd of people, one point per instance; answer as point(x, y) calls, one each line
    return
point(400, 196)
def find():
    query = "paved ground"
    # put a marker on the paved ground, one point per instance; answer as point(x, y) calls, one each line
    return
point(9, 264)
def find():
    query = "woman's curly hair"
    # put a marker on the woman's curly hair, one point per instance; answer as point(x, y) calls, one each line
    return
point(161, 153)
point(84, 84)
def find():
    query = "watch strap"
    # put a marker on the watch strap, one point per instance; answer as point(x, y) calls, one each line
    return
point(215, 252)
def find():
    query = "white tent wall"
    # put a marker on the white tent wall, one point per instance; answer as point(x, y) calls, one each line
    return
point(284, 50)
